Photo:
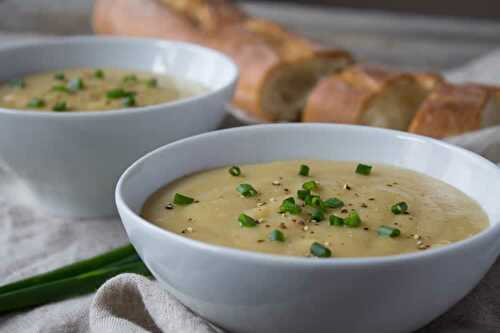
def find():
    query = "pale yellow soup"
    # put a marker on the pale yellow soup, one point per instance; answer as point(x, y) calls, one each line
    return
point(437, 213)
point(93, 90)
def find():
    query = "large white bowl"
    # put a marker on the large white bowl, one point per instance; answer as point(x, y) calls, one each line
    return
point(71, 161)
point(251, 292)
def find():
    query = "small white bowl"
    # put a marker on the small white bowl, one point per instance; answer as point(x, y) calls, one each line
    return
point(71, 161)
point(251, 292)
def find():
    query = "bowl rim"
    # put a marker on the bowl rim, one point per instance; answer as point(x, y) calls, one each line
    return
point(124, 209)
point(89, 40)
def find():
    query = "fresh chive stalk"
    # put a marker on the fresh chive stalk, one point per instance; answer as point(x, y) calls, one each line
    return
point(246, 221)
point(277, 235)
point(320, 251)
point(333, 203)
point(304, 170)
point(303, 194)
point(310, 185)
point(388, 231)
point(363, 169)
point(76, 85)
point(399, 208)
point(336, 220)
point(318, 215)
point(130, 78)
point(129, 101)
point(235, 171)
point(36, 102)
point(119, 93)
point(246, 190)
point(60, 107)
point(289, 206)
point(353, 220)
point(17, 83)
point(152, 83)
point(60, 76)
point(99, 74)
point(183, 200)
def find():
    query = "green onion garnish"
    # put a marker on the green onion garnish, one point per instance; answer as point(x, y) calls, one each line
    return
point(303, 194)
point(235, 171)
point(60, 107)
point(289, 206)
point(316, 201)
point(318, 215)
point(246, 190)
point(36, 103)
point(320, 251)
point(399, 208)
point(99, 74)
point(152, 83)
point(336, 220)
point(59, 76)
point(61, 88)
point(353, 220)
point(363, 169)
point(388, 231)
point(129, 101)
point(277, 235)
point(182, 200)
point(76, 84)
point(333, 203)
point(310, 185)
point(130, 78)
point(119, 93)
point(246, 221)
point(17, 83)
point(304, 170)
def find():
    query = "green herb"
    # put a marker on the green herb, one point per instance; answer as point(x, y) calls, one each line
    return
point(363, 169)
point(60, 76)
point(303, 194)
point(60, 106)
point(130, 78)
point(235, 171)
point(129, 101)
point(76, 85)
point(17, 83)
point(336, 220)
point(310, 185)
point(61, 88)
point(399, 208)
point(99, 74)
point(152, 83)
point(353, 220)
point(289, 206)
point(304, 170)
point(246, 221)
point(314, 201)
point(388, 231)
point(183, 200)
point(320, 251)
point(36, 103)
point(277, 235)
point(246, 190)
point(119, 93)
point(333, 203)
point(318, 215)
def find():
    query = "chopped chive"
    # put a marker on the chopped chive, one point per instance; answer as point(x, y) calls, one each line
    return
point(303, 194)
point(61, 88)
point(235, 171)
point(129, 101)
point(289, 206)
point(353, 220)
point(318, 215)
point(277, 235)
point(130, 78)
point(333, 203)
point(320, 251)
point(60, 76)
point(119, 93)
point(99, 74)
point(310, 185)
point(316, 201)
point(363, 169)
point(60, 107)
point(304, 170)
point(183, 200)
point(36, 103)
point(76, 85)
point(152, 83)
point(17, 83)
point(399, 208)
point(388, 231)
point(246, 221)
point(336, 220)
point(246, 190)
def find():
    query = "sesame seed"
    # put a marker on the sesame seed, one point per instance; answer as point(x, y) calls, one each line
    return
point(347, 187)
point(189, 229)
point(276, 183)
point(305, 228)
point(169, 206)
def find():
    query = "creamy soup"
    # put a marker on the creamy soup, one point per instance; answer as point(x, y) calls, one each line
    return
point(316, 208)
point(92, 90)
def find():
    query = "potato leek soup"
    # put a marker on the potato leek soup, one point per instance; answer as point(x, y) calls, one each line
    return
point(316, 208)
point(92, 90)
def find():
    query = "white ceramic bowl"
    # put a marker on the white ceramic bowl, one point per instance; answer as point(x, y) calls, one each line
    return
point(71, 161)
point(251, 292)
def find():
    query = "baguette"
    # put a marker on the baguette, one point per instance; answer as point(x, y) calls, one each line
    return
point(277, 68)
point(367, 95)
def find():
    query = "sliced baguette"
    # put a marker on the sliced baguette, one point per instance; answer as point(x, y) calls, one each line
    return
point(277, 68)
point(366, 95)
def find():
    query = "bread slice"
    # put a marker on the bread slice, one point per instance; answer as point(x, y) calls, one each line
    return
point(277, 67)
point(366, 95)
point(452, 110)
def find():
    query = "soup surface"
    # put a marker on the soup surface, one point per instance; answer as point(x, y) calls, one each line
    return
point(92, 90)
point(342, 210)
